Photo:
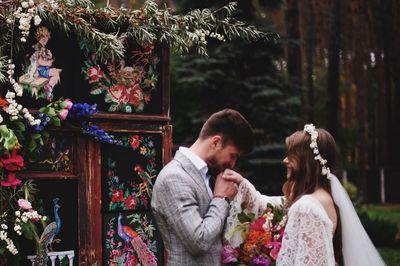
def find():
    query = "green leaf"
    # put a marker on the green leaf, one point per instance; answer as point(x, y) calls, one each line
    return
point(96, 91)
point(51, 112)
point(20, 125)
point(32, 145)
point(26, 231)
point(63, 104)
point(36, 136)
point(243, 217)
point(56, 121)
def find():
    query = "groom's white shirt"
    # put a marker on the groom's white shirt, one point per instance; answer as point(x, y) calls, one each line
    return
point(200, 165)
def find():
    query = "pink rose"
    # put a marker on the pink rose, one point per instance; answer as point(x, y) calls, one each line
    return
point(24, 204)
point(63, 114)
point(69, 104)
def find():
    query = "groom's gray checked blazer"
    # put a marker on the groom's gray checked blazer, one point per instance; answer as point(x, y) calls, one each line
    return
point(190, 222)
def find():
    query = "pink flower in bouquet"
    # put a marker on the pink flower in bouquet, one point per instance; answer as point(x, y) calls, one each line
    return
point(69, 104)
point(258, 225)
point(229, 254)
point(63, 114)
point(275, 247)
point(259, 261)
point(24, 204)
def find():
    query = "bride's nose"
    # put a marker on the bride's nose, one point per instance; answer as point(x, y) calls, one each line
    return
point(286, 160)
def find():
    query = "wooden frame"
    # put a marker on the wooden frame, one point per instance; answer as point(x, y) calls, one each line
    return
point(90, 216)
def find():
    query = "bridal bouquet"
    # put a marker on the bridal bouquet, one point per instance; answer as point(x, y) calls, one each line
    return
point(262, 238)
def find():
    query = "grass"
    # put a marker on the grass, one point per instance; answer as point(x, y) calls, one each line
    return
point(389, 212)
point(390, 256)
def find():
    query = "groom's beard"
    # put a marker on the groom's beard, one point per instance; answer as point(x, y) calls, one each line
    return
point(214, 167)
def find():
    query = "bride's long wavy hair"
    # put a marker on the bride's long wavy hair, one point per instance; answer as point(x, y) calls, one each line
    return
point(307, 173)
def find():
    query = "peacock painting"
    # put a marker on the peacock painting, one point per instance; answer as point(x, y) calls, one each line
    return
point(47, 237)
point(131, 237)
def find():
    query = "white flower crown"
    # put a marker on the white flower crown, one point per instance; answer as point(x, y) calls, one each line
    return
point(310, 129)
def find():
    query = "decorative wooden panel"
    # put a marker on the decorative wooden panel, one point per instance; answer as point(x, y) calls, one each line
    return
point(119, 250)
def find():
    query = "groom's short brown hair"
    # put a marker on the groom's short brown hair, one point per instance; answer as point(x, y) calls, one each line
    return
point(233, 128)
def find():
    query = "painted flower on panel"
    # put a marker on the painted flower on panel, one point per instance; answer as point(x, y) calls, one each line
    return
point(94, 73)
point(127, 85)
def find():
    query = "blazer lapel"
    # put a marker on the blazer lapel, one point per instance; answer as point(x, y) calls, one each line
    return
point(192, 171)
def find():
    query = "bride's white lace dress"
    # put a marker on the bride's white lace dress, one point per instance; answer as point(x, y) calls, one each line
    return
point(309, 231)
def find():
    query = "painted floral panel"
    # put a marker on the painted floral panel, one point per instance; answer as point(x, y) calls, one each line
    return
point(54, 155)
point(128, 86)
point(129, 171)
point(131, 239)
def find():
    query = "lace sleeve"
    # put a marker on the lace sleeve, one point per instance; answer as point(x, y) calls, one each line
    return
point(253, 201)
point(307, 240)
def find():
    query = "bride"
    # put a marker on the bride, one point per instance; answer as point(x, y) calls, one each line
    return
point(322, 228)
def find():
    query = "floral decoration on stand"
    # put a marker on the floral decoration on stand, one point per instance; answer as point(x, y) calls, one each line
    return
point(17, 218)
point(262, 238)
point(127, 88)
point(130, 241)
point(137, 193)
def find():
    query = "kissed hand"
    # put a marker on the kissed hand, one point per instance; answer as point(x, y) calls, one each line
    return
point(225, 188)
point(230, 175)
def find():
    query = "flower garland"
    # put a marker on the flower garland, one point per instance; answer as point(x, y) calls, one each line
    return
point(310, 129)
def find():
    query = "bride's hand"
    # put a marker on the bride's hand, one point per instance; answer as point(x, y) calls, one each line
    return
point(233, 176)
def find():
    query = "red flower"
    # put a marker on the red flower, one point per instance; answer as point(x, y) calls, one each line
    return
point(134, 141)
point(117, 195)
point(130, 202)
point(94, 73)
point(258, 225)
point(11, 181)
point(14, 163)
point(147, 98)
point(136, 95)
point(3, 103)
point(119, 93)
point(138, 169)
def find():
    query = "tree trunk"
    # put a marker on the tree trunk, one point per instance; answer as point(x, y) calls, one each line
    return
point(332, 101)
point(294, 50)
point(309, 25)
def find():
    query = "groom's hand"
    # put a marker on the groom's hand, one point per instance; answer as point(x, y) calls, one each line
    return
point(225, 188)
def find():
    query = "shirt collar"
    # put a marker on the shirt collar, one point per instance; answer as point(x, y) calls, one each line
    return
point(199, 163)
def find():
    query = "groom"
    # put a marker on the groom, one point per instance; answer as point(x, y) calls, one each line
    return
point(189, 214)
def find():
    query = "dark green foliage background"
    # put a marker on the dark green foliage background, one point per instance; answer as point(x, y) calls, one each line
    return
point(243, 76)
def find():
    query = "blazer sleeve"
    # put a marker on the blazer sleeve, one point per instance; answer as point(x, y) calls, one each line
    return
point(179, 206)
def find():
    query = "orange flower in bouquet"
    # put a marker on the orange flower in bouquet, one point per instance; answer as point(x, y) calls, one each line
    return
point(262, 238)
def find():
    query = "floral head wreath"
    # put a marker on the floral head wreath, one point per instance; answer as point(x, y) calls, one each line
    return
point(310, 129)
